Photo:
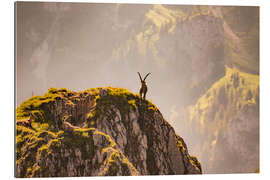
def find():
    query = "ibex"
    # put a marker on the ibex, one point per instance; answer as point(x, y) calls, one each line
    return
point(143, 89)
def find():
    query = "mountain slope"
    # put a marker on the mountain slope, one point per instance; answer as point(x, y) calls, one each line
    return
point(97, 132)
point(225, 122)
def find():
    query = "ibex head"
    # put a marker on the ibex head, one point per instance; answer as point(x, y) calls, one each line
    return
point(143, 80)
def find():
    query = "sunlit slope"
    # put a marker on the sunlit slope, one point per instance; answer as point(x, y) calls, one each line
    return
point(235, 91)
point(225, 122)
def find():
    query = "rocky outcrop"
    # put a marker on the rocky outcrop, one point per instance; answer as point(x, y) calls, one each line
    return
point(97, 132)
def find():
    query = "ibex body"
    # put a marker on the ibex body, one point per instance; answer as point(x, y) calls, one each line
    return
point(143, 89)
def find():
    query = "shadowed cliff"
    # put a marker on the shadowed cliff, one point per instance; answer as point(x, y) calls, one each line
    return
point(97, 132)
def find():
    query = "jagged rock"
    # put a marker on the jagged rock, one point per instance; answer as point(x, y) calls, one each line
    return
point(84, 134)
point(103, 92)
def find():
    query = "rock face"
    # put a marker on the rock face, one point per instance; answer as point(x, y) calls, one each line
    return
point(97, 132)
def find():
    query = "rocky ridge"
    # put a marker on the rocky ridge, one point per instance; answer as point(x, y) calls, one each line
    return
point(97, 132)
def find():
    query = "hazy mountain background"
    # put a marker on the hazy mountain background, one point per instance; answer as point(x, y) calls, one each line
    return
point(204, 62)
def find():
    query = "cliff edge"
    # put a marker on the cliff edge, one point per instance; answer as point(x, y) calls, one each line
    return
point(97, 132)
